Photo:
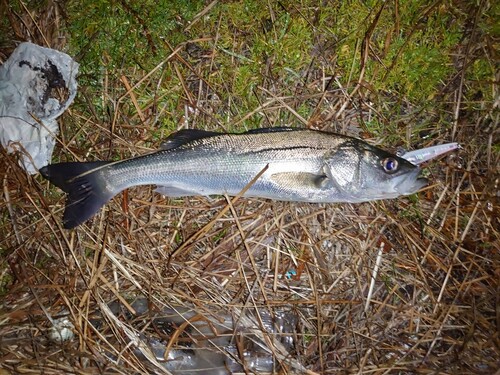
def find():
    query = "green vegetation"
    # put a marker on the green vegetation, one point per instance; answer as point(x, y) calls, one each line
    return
point(279, 47)
point(124, 34)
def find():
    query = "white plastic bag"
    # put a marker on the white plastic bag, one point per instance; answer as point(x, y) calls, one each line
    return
point(37, 85)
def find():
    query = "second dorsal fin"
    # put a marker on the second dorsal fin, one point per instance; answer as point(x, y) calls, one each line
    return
point(184, 136)
point(270, 130)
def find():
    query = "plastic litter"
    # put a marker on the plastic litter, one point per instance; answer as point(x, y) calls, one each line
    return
point(221, 344)
point(37, 85)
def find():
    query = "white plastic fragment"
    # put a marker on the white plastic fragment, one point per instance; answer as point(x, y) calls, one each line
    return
point(37, 85)
point(62, 330)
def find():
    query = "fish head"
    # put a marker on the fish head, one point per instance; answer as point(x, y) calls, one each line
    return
point(360, 172)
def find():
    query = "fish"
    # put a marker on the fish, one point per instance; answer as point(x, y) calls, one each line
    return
point(295, 164)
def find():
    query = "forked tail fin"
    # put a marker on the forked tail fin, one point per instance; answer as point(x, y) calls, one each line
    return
point(85, 186)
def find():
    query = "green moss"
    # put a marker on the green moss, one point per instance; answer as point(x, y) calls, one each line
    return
point(257, 44)
point(110, 38)
point(419, 57)
point(119, 33)
point(253, 50)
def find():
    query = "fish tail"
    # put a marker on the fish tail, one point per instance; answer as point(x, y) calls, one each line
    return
point(86, 188)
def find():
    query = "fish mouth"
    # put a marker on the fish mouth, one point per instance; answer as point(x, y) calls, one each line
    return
point(411, 183)
point(404, 184)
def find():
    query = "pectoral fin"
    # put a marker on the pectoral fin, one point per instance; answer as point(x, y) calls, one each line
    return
point(301, 180)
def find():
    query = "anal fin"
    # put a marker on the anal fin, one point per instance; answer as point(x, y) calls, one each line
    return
point(175, 191)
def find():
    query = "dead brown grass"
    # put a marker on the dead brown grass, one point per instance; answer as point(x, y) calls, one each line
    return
point(385, 287)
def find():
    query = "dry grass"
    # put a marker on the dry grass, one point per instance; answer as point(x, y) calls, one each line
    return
point(386, 287)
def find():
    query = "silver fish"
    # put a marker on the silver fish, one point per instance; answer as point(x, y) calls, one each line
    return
point(298, 164)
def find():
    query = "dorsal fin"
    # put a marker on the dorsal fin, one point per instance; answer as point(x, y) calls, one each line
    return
point(270, 130)
point(185, 136)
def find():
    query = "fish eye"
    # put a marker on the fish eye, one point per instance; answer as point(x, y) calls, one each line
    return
point(390, 165)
